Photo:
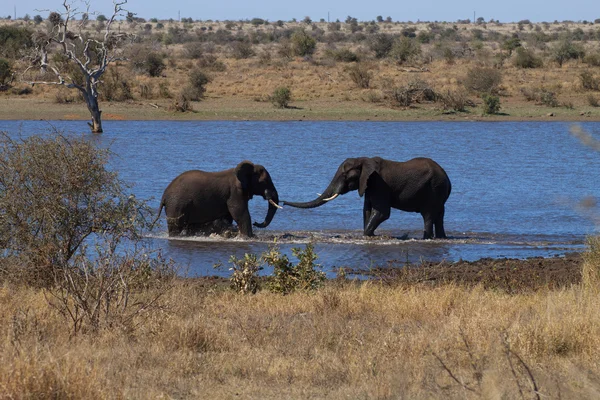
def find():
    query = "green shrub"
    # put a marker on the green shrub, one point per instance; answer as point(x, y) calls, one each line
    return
point(281, 97)
point(302, 43)
point(244, 278)
point(526, 58)
point(567, 50)
point(381, 44)
point(150, 63)
point(287, 277)
point(68, 194)
point(241, 50)
point(405, 49)
point(588, 81)
point(343, 55)
point(14, 40)
point(6, 72)
point(483, 80)
point(197, 85)
point(360, 74)
point(491, 104)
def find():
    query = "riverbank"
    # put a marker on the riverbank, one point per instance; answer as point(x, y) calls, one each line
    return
point(212, 108)
point(381, 338)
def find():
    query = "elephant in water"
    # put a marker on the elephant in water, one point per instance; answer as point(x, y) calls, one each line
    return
point(199, 202)
point(418, 185)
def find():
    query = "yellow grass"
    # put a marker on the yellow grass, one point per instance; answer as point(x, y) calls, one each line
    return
point(345, 341)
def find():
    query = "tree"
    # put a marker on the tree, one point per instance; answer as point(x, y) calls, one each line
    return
point(87, 57)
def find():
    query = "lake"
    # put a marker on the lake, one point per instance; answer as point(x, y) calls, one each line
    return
point(519, 189)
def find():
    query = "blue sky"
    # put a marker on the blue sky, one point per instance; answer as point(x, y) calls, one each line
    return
point(364, 10)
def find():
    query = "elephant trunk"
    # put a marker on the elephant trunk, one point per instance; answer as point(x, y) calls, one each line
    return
point(329, 194)
point(273, 198)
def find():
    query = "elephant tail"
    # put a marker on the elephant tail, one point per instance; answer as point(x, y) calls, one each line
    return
point(160, 207)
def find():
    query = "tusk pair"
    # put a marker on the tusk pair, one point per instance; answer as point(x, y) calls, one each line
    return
point(331, 198)
point(275, 204)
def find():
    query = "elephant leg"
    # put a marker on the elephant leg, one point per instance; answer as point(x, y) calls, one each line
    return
point(366, 213)
point(379, 213)
point(428, 225)
point(174, 229)
point(440, 233)
point(241, 216)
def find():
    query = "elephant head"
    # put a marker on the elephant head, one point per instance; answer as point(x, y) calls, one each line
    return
point(255, 180)
point(352, 174)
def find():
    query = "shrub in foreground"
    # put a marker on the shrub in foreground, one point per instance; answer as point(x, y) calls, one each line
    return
point(55, 193)
point(491, 104)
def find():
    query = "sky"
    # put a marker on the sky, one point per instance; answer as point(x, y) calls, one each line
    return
point(364, 10)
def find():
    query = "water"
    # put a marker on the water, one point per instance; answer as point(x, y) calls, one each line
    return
point(517, 187)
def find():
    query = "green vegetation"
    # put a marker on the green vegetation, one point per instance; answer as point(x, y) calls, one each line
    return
point(491, 104)
point(281, 97)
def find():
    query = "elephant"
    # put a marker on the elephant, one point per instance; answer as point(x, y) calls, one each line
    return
point(200, 202)
point(418, 185)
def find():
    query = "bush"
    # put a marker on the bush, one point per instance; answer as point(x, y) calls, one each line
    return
point(526, 58)
point(281, 97)
point(193, 50)
point(593, 100)
point(592, 59)
point(241, 50)
point(211, 62)
point(405, 49)
point(567, 50)
point(415, 91)
point(302, 43)
point(343, 55)
point(541, 96)
point(483, 80)
point(360, 74)
point(14, 40)
point(56, 192)
point(287, 277)
point(381, 44)
point(491, 104)
point(455, 101)
point(149, 63)
point(197, 87)
point(6, 72)
point(588, 81)
point(244, 278)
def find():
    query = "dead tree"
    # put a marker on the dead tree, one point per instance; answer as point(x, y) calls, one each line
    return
point(80, 52)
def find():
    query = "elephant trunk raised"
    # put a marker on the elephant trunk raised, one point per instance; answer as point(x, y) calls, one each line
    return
point(273, 198)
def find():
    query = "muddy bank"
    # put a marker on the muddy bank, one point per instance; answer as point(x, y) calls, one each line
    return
point(511, 275)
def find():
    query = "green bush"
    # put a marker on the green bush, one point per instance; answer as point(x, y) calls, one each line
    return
point(197, 87)
point(343, 55)
point(491, 104)
point(526, 58)
point(567, 50)
point(483, 80)
point(6, 72)
point(14, 40)
point(244, 278)
point(281, 97)
point(55, 193)
point(381, 44)
point(150, 63)
point(405, 49)
point(360, 74)
point(589, 81)
point(302, 43)
point(241, 50)
point(287, 277)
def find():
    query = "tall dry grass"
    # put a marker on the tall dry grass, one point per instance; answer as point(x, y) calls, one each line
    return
point(348, 340)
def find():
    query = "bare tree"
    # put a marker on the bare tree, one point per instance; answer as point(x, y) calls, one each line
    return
point(81, 58)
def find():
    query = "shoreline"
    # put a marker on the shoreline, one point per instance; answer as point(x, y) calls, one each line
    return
point(220, 109)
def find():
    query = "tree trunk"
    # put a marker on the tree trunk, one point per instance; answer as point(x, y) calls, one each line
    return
point(96, 114)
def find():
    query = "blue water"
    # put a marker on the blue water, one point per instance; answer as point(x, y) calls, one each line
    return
point(517, 187)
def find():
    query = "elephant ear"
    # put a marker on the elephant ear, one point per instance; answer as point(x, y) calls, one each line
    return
point(369, 166)
point(244, 172)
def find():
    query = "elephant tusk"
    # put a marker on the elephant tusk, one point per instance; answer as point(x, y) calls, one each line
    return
point(319, 194)
point(275, 204)
point(332, 197)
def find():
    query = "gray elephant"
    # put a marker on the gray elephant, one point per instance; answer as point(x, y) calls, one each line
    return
point(418, 185)
point(200, 202)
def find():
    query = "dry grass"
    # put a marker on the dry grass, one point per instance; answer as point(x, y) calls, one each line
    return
point(352, 340)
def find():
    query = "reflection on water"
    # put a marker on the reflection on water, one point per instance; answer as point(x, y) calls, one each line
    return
point(517, 187)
